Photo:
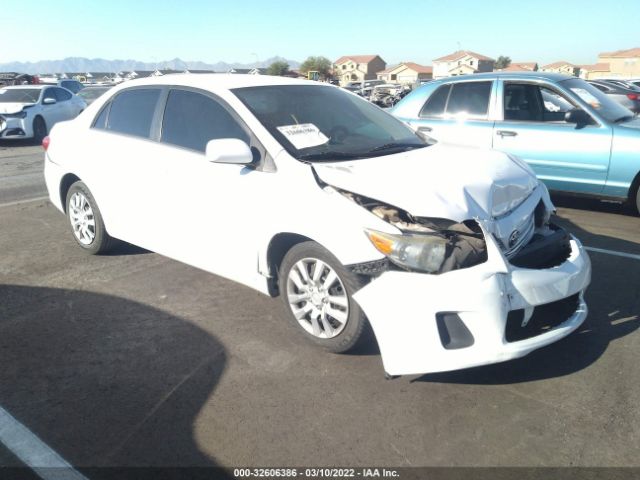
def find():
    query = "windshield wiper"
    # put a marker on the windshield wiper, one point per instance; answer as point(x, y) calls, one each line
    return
point(623, 118)
point(329, 156)
point(402, 146)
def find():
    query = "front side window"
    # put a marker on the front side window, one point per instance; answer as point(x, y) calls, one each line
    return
point(191, 120)
point(132, 112)
point(469, 98)
point(62, 94)
point(50, 93)
point(535, 103)
point(321, 123)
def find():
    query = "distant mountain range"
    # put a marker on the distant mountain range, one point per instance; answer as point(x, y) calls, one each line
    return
point(81, 64)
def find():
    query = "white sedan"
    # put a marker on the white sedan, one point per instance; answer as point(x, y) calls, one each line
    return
point(306, 191)
point(29, 111)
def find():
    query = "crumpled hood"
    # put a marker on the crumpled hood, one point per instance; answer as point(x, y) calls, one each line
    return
point(13, 107)
point(441, 181)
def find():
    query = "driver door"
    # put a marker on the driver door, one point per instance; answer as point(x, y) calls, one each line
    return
point(566, 157)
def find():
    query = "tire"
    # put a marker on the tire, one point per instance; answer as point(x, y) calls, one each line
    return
point(638, 200)
point(86, 221)
point(39, 129)
point(327, 316)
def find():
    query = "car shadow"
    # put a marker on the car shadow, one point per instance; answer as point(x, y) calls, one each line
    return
point(27, 142)
point(123, 249)
point(105, 381)
point(592, 204)
point(614, 312)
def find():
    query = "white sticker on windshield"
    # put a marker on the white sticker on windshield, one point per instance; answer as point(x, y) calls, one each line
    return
point(587, 97)
point(303, 135)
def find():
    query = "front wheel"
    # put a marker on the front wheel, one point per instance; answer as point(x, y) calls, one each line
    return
point(86, 220)
point(317, 292)
point(39, 129)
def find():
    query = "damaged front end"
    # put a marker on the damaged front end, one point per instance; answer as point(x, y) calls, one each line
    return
point(430, 245)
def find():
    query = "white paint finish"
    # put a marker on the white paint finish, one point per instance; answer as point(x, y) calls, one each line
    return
point(33, 452)
point(402, 308)
point(613, 252)
point(222, 217)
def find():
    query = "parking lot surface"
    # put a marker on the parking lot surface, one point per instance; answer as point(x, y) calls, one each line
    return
point(134, 359)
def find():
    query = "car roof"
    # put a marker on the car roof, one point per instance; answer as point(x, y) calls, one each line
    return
point(550, 77)
point(208, 81)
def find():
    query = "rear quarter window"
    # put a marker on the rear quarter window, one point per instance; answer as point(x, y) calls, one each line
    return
point(132, 112)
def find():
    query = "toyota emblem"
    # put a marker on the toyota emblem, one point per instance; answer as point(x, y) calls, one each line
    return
point(513, 238)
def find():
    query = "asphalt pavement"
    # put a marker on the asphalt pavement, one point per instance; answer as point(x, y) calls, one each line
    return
point(135, 359)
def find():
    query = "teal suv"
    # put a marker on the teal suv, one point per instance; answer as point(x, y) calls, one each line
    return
point(575, 138)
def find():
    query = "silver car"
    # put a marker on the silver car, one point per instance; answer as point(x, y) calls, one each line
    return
point(29, 111)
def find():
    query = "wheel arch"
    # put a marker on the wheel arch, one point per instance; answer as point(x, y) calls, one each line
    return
point(65, 184)
point(633, 190)
point(278, 247)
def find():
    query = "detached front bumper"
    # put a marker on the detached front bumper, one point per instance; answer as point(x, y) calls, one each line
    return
point(414, 315)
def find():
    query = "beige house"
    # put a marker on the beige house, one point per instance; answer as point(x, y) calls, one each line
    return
point(520, 67)
point(622, 63)
point(461, 62)
point(357, 68)
point(406, 73)
point(562, 67)
point(598, 70)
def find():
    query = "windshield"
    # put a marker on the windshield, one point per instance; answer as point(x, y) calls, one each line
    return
point(607, 108)
point(322, 123)
point(19, 95)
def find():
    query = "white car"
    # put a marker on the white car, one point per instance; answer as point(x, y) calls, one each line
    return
point(29, 111)
point(300, 189)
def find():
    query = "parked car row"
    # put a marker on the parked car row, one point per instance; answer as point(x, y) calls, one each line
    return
point(352, 214)
point(626, 94)
point(29, 111)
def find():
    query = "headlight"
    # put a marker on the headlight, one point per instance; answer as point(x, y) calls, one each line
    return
point(21, 114)
point(423, 252)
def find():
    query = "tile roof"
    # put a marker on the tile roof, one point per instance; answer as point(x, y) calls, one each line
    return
point(462, 53)
point(630, 52)
point(355, 58)
point(419, 68)
point(596, 67)
point(558, 64)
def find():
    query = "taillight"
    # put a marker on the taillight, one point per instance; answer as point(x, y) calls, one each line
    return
point(45, 143)
point(632, 96)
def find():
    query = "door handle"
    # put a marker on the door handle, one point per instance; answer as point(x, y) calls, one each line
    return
point(425, 129)
point(506, 133)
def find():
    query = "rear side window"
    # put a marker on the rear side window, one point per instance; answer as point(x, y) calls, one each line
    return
point(436, 102)
point(471, 98)
point(132, 112)
point(192, 119)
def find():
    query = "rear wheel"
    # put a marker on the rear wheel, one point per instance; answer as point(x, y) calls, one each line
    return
point(638, 200)
point(39, 129)
point(86, 221)
point(317, 292)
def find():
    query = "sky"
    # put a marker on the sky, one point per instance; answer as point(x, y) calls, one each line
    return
point(248, 30)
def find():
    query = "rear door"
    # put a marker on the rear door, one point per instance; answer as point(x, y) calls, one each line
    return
point(66, 107)
point(531, 125)
point(459, 113)
point(123, 167)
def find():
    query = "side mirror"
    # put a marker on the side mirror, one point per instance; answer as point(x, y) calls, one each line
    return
point(229, 150)
point(577, 116)
point(49, 101)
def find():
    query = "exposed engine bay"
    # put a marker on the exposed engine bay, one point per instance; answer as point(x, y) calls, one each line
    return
point(466, 246)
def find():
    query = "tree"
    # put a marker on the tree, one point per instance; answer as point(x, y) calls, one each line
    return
point(278, 68)
point(503, 62)
point(317, 64)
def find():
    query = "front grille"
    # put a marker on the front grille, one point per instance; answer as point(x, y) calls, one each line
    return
point(544, 318)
